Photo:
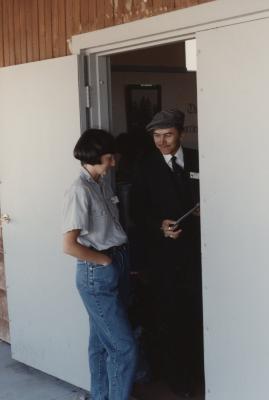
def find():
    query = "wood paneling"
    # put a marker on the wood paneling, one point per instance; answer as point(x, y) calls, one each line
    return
point(62, 28)
point(41, 29)
point(2, 61)
point(32, 30)
point(22, 33)
point(109, 13)
point(4, 323)
point(48, 29)
point(92, 15)
point(84, 12)
point(100, 14)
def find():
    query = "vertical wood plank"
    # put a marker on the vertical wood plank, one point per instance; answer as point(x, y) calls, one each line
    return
point(168, 5)
point(136, 5)
point(146, 8)
point(3, 305)
point(2, 269)
point(109, 13)
point(84, 13)
point(5, 32)
point(62, 28)
point(55, 28)
point(92, 14)
point(76, 25)
point(29, 31)
point(48, 29)
point(41, 30)
point(118, 11)
point(2, 61)
point(157, 6)
point(4, 331)
point(100, 14)
point(185, 3)
point(69, 21)
point(35, 33)
point(11, 32)
point(17, 32)
point(4, 320)
point(23, 33)
point(128, 11)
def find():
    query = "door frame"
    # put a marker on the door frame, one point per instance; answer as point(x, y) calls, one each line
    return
point(166, 28)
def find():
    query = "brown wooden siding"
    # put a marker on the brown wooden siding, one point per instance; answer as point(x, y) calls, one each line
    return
point(4, 324)
point(32, 30)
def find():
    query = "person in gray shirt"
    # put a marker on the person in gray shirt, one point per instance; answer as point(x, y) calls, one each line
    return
point(94, 236)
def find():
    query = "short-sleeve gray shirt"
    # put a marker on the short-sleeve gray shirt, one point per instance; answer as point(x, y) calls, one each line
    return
point(91, 207)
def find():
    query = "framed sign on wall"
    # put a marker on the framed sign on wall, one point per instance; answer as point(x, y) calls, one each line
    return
point(142, 102)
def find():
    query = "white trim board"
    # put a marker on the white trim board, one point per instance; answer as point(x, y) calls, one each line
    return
point(168, 27)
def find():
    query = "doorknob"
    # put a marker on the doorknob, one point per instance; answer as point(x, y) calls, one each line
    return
point(5, 218)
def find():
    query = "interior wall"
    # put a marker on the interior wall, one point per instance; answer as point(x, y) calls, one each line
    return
point(167, 56)
point(178, 91)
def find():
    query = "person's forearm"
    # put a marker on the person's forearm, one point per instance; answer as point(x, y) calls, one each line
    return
point(81, 252)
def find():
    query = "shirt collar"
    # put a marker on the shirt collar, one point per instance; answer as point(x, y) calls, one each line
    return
point(179, 157)
point(84, 174)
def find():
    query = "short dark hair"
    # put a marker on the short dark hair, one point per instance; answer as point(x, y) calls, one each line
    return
point(92, 144)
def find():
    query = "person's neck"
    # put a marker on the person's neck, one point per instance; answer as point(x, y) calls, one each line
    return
point(92, 171)
point(175, 152)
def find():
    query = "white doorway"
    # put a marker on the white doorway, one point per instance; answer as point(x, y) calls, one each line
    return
point(144, 82)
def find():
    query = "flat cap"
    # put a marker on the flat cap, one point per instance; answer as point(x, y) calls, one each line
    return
point(172, 118)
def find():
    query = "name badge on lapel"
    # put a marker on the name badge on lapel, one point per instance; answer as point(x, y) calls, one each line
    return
point(194, 175)
point(115, 200)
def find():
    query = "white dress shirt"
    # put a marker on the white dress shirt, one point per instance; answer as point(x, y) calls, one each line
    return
point(179, 158)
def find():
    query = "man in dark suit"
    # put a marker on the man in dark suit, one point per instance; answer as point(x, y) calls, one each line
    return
point(165, 187)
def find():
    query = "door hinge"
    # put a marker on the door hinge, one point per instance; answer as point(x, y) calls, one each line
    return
point(88, 96)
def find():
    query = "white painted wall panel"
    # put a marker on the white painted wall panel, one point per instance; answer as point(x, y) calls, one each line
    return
point(39, 125)
point(233, 87)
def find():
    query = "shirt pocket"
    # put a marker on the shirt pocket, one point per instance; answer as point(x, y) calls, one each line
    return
point(98, 220)
point(113, 209)
point(98, 212)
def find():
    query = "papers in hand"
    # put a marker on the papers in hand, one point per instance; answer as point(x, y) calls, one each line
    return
point(178, 221)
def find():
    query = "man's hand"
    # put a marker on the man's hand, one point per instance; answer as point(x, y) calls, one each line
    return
point(196, 212)
point(167, 229)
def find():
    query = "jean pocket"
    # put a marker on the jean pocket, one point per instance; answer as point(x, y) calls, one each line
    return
point(92, 265)
point(105, 277)
point(81, 274)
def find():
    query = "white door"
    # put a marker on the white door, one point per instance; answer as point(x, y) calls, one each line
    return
point(39, 125)
point(233, 87)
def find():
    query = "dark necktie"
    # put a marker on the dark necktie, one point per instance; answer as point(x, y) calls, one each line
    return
point(177, 168)
point(182, 183)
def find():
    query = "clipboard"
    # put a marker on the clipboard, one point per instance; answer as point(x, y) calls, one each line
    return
point(179, 220)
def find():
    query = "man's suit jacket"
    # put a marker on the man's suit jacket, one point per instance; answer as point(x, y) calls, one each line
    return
point(156, 195)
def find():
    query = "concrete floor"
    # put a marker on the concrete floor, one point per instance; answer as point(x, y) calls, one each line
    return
point(19, 382)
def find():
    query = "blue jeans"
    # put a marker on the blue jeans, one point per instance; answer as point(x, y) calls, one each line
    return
point(112, 347)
